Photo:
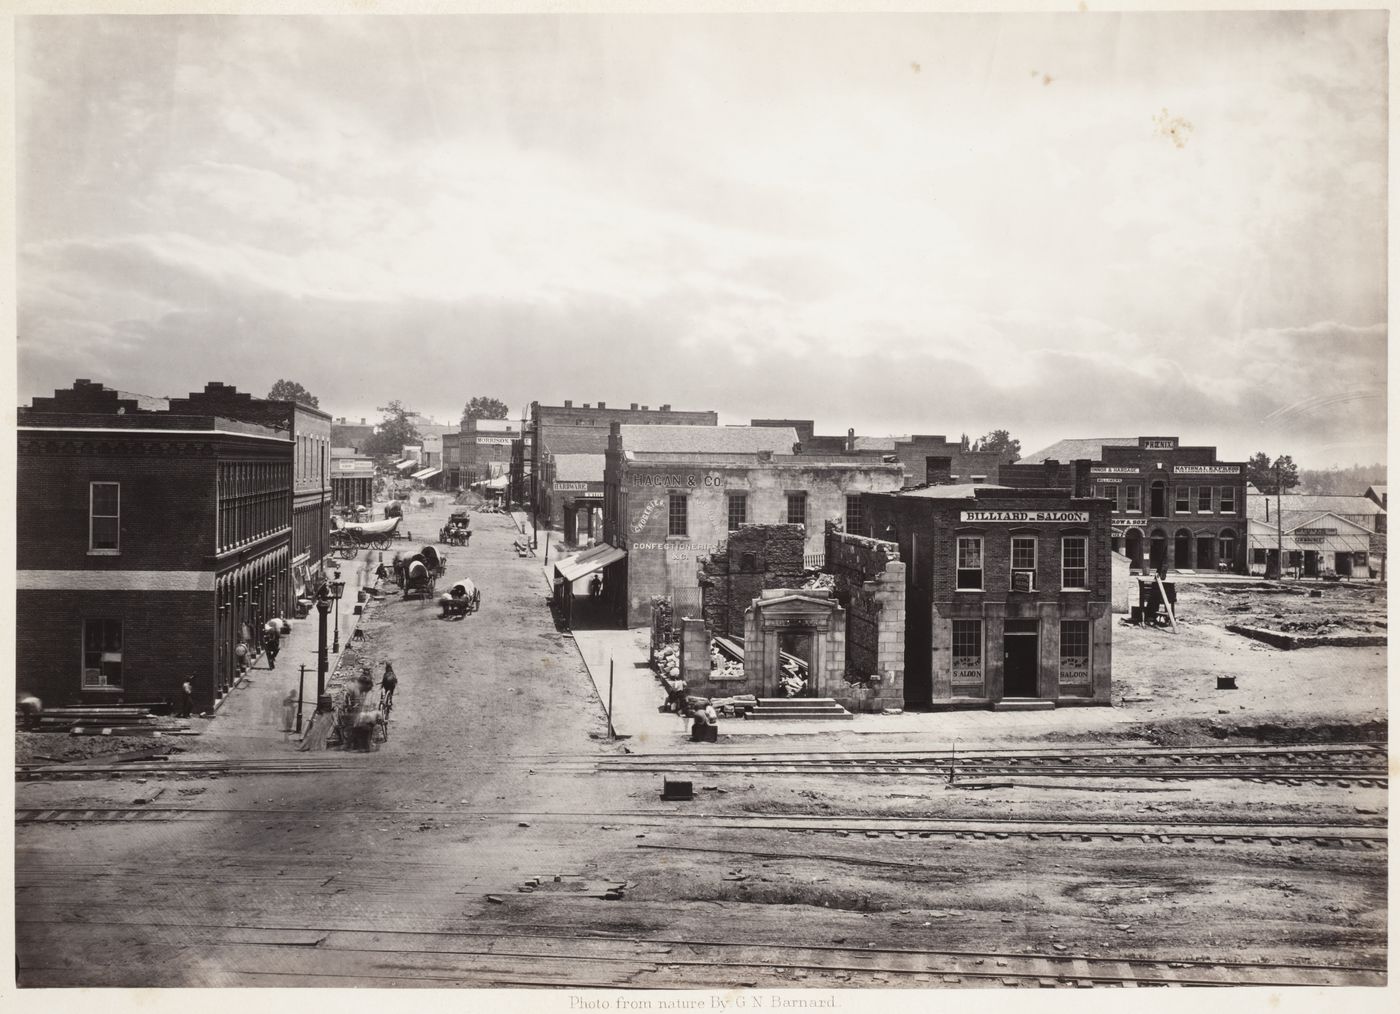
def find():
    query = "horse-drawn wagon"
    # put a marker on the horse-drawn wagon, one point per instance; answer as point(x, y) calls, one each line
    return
point(348, 537)
point(462, 598)
point(457, 531)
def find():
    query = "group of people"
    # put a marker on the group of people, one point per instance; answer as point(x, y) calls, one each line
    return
point(360, 713)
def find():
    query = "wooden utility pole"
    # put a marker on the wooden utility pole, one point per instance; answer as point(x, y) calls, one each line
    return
point(1278, 513)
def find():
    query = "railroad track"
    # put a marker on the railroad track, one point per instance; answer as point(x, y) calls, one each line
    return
point(344, 955)
point(1345, 765)
point(1358, 835)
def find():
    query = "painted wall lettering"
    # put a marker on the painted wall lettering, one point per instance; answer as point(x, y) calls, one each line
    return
point(1022, 517)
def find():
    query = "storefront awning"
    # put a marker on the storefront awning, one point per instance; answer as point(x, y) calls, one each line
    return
point(500, 482)
point(575, 567)
point(427, 473)
point(405, 464)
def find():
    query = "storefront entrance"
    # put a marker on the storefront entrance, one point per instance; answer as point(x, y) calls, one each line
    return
point(1159, 550)
point(1134, 541)
point(1021, 659)
point(1182, 558)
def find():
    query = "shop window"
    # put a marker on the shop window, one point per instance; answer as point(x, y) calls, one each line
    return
point(1023, 563)
point(1133, 499)
point(1261, 556)
point(1110, 491)
point(1227, 499)
point(1203, 500)
point(102, 654)
point(104, 517)
point(738, 510)
point(1183, 499)
point(679, 515)
point(967, 672)
point(855, 519)
point(1074, 657)
point(1227, 550)
point(970, 563)
point(1074, 562)
point(797, 508)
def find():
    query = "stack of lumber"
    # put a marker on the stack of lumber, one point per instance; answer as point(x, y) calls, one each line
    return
point(109, 720)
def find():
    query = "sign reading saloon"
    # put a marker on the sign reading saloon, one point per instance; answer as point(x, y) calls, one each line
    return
point(1205, 469)
point(1026, 517)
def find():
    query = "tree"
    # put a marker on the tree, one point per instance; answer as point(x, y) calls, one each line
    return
point(394, 431)
point(999, 442)
point(485, 408)
point(290, 390)
point(1261, 472)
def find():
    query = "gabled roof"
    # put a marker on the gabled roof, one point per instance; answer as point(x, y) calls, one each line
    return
point(1263, 505)
point(955, 491)
point(579, 467)
point(708, 439)
point(1077, 448)
point(1328, 520)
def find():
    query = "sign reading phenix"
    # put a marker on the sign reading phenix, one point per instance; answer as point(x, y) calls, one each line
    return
point(1025, 517)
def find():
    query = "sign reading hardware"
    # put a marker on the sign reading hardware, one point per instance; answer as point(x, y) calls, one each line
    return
point(1205, 469)
point(1023, 517)
point(1112, 470)
point(568, 487)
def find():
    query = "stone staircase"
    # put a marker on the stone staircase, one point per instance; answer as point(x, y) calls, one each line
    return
point(788, 708)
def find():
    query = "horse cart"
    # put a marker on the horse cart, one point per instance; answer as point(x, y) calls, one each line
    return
point(462, 598)
point(457, 531)
point(417, 574)
point(348, 537)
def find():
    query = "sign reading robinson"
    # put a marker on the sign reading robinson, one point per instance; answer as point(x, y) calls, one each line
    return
point(1026, 517)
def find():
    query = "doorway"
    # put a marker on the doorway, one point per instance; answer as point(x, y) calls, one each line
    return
point(795, 663)
point(1205, 552)
point(1159, 499)
point(1182, 559)
point(1021, 659)
point(1343, 565)
point(1310, 562)
point(1134, 541)
point(1159, 550)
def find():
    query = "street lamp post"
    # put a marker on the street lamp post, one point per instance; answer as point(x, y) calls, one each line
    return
point(337, 590)
point(323, 604)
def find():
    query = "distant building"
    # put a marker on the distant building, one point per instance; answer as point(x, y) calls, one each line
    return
point(583, 429)
point(672, 495)
point(926, 458)
point(1008, 593)
point(485, 448)
point(1174, 506)
point(351, 435)
point(352, 478)
point(153, 541)
point(1323, 534)
point(573, 489)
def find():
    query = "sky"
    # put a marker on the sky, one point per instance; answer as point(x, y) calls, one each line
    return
point(1062, 225)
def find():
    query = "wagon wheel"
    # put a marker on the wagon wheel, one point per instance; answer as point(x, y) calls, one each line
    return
point(346, 552)
point(381, 543)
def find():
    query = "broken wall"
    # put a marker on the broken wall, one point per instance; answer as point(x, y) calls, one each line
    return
point(755, 558)
point(869, 581)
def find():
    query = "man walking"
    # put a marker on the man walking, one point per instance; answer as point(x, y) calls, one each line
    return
point(186, 698)
point(272, 644)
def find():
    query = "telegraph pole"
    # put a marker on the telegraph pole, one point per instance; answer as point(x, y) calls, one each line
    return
point(1278, 513)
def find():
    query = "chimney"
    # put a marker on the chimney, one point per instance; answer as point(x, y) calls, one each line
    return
point(568, 403)
point(1082, 486)
point(938, 470)
point(585, 404)
point(1052, 472)
point(850, 441)
point(362, 421)
point(634, 406)
point(602, 404)
point(665, 408)
point(645, 409)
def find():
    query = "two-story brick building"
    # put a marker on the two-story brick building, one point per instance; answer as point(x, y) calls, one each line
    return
point(1008, 593)
point(583, 429)
point(150, 543)
point(1173, 505)
point(672, 495)
point(485, 446)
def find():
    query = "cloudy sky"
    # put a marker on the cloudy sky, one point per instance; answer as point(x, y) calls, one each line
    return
point(1066, 225)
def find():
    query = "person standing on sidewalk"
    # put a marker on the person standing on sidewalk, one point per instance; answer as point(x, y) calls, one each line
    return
point(186, 698)
point(272, 644)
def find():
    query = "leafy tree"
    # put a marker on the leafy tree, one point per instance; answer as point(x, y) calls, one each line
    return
point(394, 431)
point(966, 443)
point(485, 408)
point(999, 442)
point(290, 390)
point(1267, 476)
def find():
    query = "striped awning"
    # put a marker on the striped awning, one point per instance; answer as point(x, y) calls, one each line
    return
point(426, 473)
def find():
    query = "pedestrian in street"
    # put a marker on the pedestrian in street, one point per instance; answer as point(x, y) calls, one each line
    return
point(272, 644)
point(186, 698)
point(595, 587)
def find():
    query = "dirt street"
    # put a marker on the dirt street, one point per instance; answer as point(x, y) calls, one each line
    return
point(413, 865)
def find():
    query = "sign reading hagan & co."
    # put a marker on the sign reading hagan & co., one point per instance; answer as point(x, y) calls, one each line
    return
point(1026, 517)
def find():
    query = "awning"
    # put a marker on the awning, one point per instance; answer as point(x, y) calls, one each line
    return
point(570, 570)
point(500, 482)
point(406, 464)
point(426, 473)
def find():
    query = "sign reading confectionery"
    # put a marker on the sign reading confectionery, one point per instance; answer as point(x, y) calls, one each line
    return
point(1205, 469)
point(1026, 517)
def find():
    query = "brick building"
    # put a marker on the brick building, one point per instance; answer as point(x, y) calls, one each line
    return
point(583, 429)
point(485, 448)
point(352, 478)
point(353, 435)
point(1173, 505)
point(152, 541)
point(672, 495)
point(918, 453)
point(1008, 593)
